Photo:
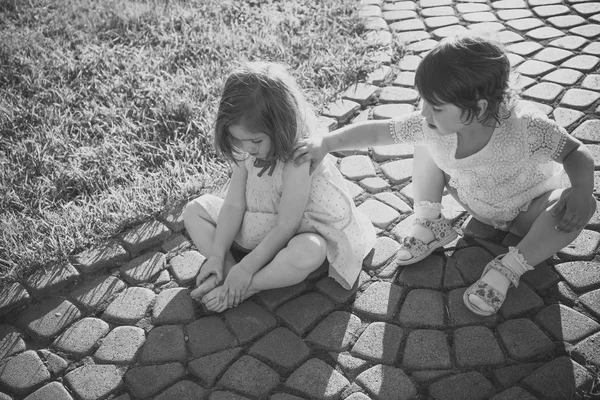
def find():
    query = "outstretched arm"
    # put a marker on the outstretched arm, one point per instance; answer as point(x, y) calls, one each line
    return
point(296, 187)
point(355, 136)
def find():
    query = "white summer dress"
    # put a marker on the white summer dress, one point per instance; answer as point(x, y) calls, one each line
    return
point(330, 212)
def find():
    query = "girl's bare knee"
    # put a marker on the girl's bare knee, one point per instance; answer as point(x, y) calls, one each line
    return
point(194, 211)
point(307, 250)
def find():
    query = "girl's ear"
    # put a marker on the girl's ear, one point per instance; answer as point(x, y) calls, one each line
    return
point(482, 105)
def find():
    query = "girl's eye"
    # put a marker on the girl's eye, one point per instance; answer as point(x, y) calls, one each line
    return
point(436, 109)
point(256, 141)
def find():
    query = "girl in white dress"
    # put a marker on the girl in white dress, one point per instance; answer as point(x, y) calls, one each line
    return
point(287, 219)
point(500, 159)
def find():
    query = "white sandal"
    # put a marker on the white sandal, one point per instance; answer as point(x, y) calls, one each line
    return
point(488, 293)
point(442, 231)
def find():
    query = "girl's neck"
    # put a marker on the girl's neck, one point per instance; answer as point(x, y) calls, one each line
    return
point(473, 138)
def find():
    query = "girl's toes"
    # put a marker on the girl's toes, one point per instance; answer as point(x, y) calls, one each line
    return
point(479, 303)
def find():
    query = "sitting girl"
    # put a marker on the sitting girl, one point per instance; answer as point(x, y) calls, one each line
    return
point(286, 219)
point(499, 158)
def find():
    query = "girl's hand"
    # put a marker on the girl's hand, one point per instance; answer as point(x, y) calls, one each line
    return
point(235, 286)
point(577, 207)
point(212, 266)
point(311, 149)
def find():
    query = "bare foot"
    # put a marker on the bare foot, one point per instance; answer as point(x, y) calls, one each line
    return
point(206, 286)
point(211, 300)
point(212, 303)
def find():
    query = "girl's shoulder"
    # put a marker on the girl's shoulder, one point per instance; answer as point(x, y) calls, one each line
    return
point(526, 110)
point(408, 127)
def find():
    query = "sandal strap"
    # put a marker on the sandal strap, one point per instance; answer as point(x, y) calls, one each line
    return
point(417, 246)
point(440, 227)
point(487, 293)
point(504, 269)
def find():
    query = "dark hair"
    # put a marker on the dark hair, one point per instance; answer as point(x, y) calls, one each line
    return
point(264, 98)
point(466, 68)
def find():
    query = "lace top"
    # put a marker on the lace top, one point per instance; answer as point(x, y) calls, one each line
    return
point(499, 181)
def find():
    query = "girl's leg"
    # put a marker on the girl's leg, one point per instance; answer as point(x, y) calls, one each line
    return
point(540, 241)
point(304, 253)
point(428, 186)
point(201, 227)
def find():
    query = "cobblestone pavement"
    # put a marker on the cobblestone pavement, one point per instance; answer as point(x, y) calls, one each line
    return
point(118, 322)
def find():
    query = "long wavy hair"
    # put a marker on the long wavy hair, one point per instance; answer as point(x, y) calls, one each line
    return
point(264, 98)
point(464, 69)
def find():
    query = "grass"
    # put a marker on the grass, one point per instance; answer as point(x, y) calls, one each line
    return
point(106, 107)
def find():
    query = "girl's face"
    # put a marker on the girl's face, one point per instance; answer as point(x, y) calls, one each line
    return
point(256, 144)
point(444, 119)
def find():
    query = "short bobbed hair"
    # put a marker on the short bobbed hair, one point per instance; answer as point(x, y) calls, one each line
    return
point(464, 69)
point(264, 98)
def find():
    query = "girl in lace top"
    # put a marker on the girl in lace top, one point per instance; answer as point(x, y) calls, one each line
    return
point(499, 158)
point(289, 221)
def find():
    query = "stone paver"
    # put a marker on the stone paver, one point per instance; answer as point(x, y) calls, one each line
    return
point(79, 339)
point(148, 380)
point(117, 321)
point(379, 342)
point(385, 382)
point(144, 236)
point(317, 380)
point(173, 306)
point(91, 382)
point(523, 340)
point(208, 368)
point(426, 349)
point(476, 345)
point(186, 266)
point(558, 379)
point(120, 346)
point(11, 341)
point(130, 306)
point(336, 332)
point(106, 255)
point(143, 268)
point(53, 390)
point(208, 335)
point(467, 386)
point(163, 344)
point(46, 320)
point(23, 373)
point(46, 282)
point(380, 300)
point(250, 376)
point(422, 308)
point(93, 295)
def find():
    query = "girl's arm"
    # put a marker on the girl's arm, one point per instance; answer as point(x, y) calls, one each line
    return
point(578, 163)
point(577, 202)
point(356, 136)
point(232, 212)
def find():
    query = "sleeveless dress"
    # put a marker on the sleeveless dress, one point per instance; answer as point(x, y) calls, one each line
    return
point(330, 212)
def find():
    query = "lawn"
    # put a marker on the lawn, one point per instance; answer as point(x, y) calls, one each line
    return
point(106, 107)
